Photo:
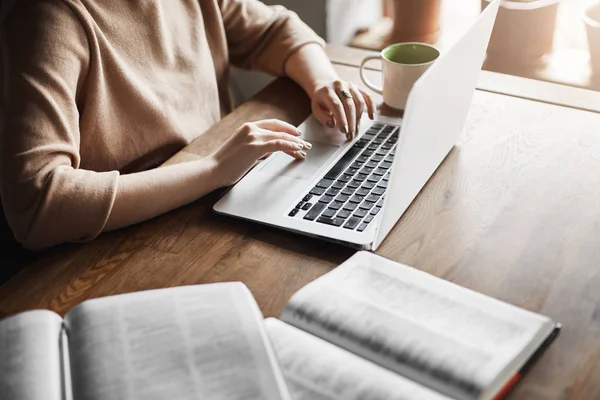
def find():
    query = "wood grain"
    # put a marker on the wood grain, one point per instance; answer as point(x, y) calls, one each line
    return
point(512, 212)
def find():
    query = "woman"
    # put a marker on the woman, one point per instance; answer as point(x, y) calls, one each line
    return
point(96, 93)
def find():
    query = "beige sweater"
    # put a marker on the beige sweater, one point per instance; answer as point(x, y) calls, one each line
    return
point(91, 89)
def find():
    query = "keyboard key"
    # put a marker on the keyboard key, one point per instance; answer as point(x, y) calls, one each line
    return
point(336, 205)
point(377, 140)
point(382, 152)
point(383, 184)
point(362, 227)
point(380, 203)
point(366, 205)
point(354, 184)
point(369, 218)
point(372, 164)
point(361, 177)
point(362, 192)
point(376, 158)
point(317, 191)
point(376, 125)
point(372, 198)
point(345, 178)
point(299, 205)
point(379, 171)
point(330, 212)
point(306, 206)
point(369, 136)
point(373, 147)
point(293, 212)
point(331, 221)
point(338, 185)
point(348, 191)
point(356, 199)
point(388, 129)
point(360, 213)
point(324, 183)
point(357, 164)
point(379, 191)
point(375, 210)
point(362, 158)
point(366, 170)
point(315, 211)
point(326, 199)
point(361, 144)
point(386, 177)
point(307, 197)
point(342, 163)
point(332, 192)
point(388, 158)
point(344, 214)
point(352, 223)
point(342, 198)
point(368, 185)
point(382, 135)
point(351, 171)
point(374, 178)
point(350, 206)
point(385, 165)
point(367, 153)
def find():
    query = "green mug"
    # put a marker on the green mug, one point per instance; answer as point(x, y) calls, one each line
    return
point(403, 64)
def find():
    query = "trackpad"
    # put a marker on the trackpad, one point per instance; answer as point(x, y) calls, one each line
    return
point(285, 165)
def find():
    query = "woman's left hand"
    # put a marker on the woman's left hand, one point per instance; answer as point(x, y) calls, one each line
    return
point(341, 104)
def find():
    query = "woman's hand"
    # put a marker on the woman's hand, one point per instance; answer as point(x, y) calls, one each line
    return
point(341, 104)
point(252, 141)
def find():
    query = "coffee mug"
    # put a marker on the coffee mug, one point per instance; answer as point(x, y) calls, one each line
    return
point(403, 64)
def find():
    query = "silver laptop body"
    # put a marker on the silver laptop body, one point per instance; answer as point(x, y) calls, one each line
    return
point(354, 192)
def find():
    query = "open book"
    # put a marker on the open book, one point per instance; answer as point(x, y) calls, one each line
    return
point(375, 329)
point(190, 342)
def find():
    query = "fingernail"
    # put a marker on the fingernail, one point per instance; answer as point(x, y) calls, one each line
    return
point(357, 128)
point(308, 145)
point(302, 153)
point(348, 138)
point(330, 123)
point(345, 130)
point(300, 145)
point(299, 131)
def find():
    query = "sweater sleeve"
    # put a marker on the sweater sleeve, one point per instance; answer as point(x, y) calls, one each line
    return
point(47, 198)
point(260, 37)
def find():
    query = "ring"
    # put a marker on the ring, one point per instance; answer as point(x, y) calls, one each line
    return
point(345, 94)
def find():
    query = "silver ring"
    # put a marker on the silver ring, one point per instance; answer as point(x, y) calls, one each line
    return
point(345, 94)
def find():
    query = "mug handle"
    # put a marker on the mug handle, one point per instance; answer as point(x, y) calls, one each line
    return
point(368, 83)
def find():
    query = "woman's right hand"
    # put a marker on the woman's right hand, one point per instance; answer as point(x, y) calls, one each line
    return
point(255, 140)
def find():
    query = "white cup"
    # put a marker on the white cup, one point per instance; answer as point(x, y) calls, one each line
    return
point(403, 64)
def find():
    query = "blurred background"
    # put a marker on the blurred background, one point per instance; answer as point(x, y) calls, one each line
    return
point(549, 40)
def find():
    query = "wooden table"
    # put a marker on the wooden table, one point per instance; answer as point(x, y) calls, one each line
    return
point(513, 212)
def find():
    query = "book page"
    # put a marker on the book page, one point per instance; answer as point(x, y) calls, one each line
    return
point(30, 356)
point(191, 342)
point(317, 370)
point(444, 336)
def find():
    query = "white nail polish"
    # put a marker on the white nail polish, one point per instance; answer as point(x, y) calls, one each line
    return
point(300, 145)
point(302, 153)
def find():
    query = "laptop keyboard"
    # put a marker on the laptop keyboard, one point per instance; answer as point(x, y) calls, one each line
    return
point(351, 194)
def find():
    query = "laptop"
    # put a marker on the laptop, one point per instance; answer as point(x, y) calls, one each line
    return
point(354, 192)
